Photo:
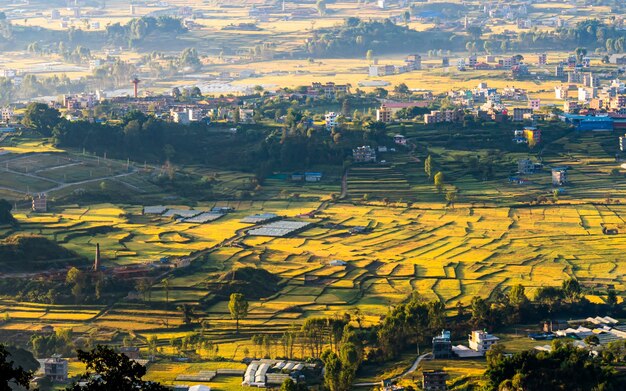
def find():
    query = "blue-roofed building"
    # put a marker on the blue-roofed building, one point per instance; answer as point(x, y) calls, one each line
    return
point(589, 122)
point(312, 176)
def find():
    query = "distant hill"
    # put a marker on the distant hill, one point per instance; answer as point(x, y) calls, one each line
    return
point(29, 253)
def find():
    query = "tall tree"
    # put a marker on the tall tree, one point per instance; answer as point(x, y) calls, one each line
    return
point(238, 307)
point(439, 181)
point(41, 117)
point(428, 166)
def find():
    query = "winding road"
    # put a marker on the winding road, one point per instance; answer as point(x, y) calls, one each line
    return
point(413, 368)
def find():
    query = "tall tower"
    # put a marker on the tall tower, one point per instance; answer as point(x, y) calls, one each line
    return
point(283, 5)
point(136, 82)
point(96, 261)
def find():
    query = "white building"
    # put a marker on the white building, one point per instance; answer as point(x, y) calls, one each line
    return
point(586, 94)
point(561, 92)
point(180, 117)
point(481, 341)
point(331, 120)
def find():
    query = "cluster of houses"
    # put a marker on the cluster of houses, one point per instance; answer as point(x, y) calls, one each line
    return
point(412, 62)
point(605, 328)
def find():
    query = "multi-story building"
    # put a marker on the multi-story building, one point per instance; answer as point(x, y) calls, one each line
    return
point(618, 102)
point(180, 117)
point(559, 71)
point(331, 120)
point(7, 114)
point(586, 94)
point(571, 106)
point(383, 114)
point(559, 176)
point(434, 381)
point(55, 369)
point(40, 203)
point(442, 345)
point(481, 341)
point(596, 104)
point(534, 104)
point(532, 134)
point(561, 92)
point(519, 112)
point(439, 116)
point(526, 166)
point(590, 80)
point(381, 70)
point(575, 77)
point(542, 59)
point(413, 62)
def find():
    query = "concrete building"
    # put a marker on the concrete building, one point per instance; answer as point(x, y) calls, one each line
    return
point(542, 59)
point(571, 106)
point(561, 92)
point(532, 134)
point(559, 71)
point(331, 120)
point(40, 203)
point(525, 166)
point(381, 70)
point(534, 104)
point(180, 117)
point(559, 176)
point(519, 113)
point(413, 62)
point(434, 380)
point(7, 114)
point(481, 341)
point(442, 346)
point(384, 114)
point(438, 116)
point(55, 368)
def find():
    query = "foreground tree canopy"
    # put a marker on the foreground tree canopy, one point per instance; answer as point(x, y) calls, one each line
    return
point(108, 370)
point(566, 367)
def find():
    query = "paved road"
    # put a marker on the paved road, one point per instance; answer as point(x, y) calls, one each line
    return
point(413, 368)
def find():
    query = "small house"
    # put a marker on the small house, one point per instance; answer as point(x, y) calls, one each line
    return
point(399, 139)
point(297, 177)
point(131, 352)
point(312, 176)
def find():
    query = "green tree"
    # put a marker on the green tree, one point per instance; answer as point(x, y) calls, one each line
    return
point(428, 166)
point(439, 184)
point(238, 307)
point(451, 196)
point(41, 117)
point(369, 56)
point(571, 289)
point(108, 370)
point(5, 212)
